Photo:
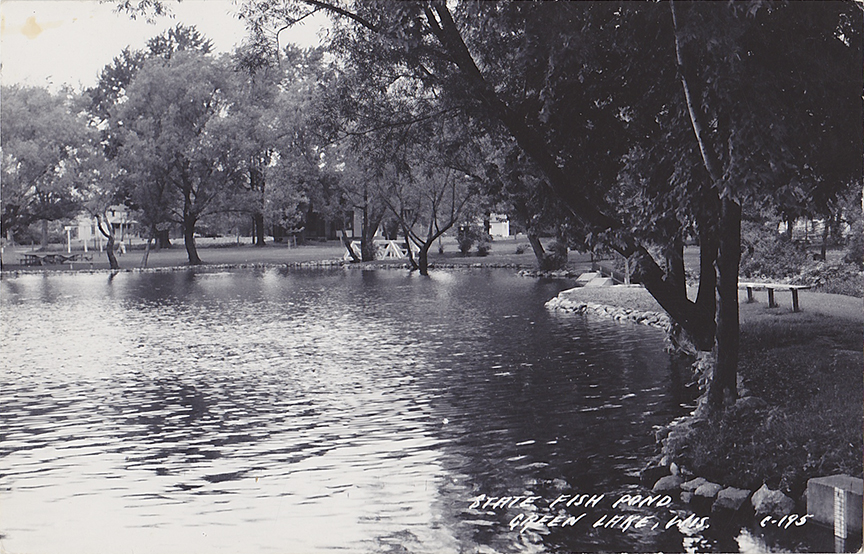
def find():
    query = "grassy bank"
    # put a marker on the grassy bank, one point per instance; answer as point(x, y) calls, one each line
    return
point(511, 252)
point(806, 367)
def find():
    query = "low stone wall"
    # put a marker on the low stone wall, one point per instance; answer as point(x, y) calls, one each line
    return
point(432, 266)
point(564, 303)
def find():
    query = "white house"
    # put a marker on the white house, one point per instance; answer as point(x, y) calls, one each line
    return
point(85, 232)
point(499, 225)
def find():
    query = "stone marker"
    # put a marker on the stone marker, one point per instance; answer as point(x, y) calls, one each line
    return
point(836, 501)
point(771, 502)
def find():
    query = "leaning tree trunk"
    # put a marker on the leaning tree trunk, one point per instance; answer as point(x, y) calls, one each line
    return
point(108, 232)
point(537, 248)
point(346, 242)
point(189, 221)
point(367, 239)
point(146, 256)
point(724, 387)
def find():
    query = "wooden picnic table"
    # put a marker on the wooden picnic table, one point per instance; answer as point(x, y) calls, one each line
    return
point(771, 287)
point(51, 259)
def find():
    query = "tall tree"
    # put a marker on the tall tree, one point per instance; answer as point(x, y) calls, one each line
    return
point(173, 126)
point(271, 121)
point(147, 197)
point(42, 142)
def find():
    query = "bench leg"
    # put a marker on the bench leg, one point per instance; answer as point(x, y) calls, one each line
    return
point(771, 303)
point(750, 295)
point(795, 307)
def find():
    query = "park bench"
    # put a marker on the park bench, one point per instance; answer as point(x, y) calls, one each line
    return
point(771, 287)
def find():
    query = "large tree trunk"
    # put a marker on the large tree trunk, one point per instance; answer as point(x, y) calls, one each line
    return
point(44, 241)
point(706, 297)
point(675, 272)
point(163, 238)
point(537, 248)
point(724, 386)
point(423, 258)
point(367, 238)
point(109, 250)
point(258, 228)
point(189, 221)
point(691, 316)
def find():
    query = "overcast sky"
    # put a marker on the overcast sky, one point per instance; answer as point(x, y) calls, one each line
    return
point(52, 42)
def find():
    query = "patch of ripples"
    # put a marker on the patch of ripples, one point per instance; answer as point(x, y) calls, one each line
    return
point(309, 411)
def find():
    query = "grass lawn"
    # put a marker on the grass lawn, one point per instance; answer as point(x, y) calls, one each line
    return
point(228, 251)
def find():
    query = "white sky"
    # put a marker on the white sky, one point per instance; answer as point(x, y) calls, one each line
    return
point(52, 42)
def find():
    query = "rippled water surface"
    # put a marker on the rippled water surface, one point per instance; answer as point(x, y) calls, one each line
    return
point(294, 412)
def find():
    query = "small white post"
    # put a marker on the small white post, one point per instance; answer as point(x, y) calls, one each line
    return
point(68, 230)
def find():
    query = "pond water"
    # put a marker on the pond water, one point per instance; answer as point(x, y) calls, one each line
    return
point(276, 411)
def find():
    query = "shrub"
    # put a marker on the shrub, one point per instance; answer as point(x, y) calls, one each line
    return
point(521, 249)
point(767, 253)
point(555, 257)
point(465, 238)
point(484, 244)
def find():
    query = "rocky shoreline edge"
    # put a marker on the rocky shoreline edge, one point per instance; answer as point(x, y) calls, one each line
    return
point(563, 302)
point(662, 475)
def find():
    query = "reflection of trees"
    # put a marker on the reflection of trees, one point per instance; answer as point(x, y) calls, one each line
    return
point(532, 404)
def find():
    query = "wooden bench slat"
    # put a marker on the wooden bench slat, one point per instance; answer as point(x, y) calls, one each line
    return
point(771, 287)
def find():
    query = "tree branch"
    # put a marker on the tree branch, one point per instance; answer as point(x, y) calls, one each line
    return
point(693, 110)
point(343, 12)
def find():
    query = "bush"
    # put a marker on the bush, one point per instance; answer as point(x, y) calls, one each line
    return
point(484, 244)
point(846, 279)
point(767, 253)
point(465, 238)
point(555, 257)
point(521, 249)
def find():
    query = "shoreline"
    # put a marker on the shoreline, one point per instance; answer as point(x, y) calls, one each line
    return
point(670, 471)
point(311, 264)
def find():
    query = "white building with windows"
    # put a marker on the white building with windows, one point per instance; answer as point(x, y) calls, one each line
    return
point(85, 232)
